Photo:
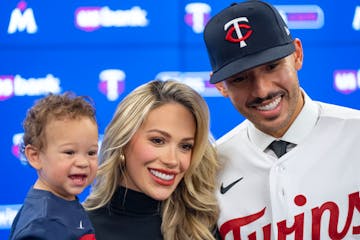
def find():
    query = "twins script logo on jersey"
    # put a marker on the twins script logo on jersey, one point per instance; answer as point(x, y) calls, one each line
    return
point(234, 31)
point(335, 229)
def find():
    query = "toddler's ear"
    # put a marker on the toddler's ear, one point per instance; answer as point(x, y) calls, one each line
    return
point(33, 156)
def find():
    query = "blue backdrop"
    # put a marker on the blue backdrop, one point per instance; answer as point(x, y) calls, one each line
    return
point(105, 49)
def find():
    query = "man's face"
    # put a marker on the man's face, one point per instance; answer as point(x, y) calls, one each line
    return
point(268, 95)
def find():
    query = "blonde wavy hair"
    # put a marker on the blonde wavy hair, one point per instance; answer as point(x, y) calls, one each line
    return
point(191, 211)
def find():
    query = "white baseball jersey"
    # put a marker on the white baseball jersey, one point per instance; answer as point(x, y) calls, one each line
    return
point(311, 192)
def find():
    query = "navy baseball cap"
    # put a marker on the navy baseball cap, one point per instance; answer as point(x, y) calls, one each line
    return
point(245, 35)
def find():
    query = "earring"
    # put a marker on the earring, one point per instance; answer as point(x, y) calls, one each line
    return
point(122, 162)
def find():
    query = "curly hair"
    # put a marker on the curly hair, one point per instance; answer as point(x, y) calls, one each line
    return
point(192, 210)
point(65, 106)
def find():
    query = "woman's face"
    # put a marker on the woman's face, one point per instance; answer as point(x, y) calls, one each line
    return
point(159, 153)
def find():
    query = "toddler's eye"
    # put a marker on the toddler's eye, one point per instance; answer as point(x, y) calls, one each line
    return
point(69, 152)
point(92, 153)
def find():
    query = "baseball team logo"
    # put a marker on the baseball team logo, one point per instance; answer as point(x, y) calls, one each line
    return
point(238, 30)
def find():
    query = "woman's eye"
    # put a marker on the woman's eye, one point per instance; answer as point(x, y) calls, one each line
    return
point(157, 141)
point(187, 146)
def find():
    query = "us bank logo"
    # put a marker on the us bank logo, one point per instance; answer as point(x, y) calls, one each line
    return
point(22, 19)
point(197, 15)
point(347, 81)
point(199, 81)
point(18, 86)
point(92, 18)
point(302, 16)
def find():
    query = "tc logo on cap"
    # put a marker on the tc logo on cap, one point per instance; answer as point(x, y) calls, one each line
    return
point(236, 25)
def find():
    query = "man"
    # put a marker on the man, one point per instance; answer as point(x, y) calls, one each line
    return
point(291, 169)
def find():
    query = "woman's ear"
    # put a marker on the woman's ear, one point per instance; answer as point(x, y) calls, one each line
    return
point(33, 156)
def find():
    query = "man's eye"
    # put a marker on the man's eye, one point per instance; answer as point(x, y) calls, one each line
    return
point(239, 79)
point(272, 66)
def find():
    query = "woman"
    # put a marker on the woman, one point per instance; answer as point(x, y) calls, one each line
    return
point(156, 178)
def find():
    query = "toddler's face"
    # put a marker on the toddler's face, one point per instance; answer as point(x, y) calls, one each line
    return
point(69, 161)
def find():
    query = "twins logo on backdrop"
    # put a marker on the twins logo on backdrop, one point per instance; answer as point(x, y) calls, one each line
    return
point(197, 15)
point(112, 83)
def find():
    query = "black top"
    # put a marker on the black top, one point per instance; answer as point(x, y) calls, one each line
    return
point(130, 215)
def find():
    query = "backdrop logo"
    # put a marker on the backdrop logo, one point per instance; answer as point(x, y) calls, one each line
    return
point(18, 86)
point(199, 81)
point(16, 147)
point(356, 20)
point(302, 16)
point(346, 81)
point(21, 19)
point(7, 215)
point(112, 83)
point(197, 15)
point(92, 18)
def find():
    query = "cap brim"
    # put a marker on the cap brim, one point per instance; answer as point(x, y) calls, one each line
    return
point(252, 61)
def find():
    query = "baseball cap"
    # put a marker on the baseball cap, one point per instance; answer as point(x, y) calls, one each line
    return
point(245, 35)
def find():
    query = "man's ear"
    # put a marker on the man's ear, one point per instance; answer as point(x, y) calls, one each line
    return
point(299, 54)
point(222, 88)
point(33, 156)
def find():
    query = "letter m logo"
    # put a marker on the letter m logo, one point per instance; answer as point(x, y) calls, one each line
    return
point(20, 21)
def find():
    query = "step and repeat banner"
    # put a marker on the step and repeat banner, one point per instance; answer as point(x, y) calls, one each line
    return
point(104, 49)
